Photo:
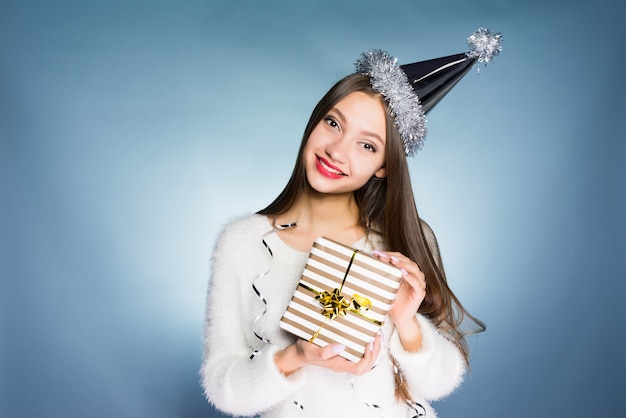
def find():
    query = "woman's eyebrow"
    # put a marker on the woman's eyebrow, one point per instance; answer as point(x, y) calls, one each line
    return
point(341, 116)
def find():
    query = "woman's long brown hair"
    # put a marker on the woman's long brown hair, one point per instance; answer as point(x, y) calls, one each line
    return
point(387, 207)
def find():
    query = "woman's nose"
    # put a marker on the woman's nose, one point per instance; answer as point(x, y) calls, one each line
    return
point(338, 150)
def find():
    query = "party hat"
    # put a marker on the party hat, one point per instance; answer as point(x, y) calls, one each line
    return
point(411, 90)
point(433, 79)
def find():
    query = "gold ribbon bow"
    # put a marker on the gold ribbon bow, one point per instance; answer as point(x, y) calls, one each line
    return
point(334, 304)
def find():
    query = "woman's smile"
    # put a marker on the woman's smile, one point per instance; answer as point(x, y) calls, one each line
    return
point(328, 170)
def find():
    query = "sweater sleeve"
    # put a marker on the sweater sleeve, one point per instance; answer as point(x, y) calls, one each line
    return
point(232, 381)
point(436, 369)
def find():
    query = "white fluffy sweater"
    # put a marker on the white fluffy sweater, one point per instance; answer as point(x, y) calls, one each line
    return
point(241, 386)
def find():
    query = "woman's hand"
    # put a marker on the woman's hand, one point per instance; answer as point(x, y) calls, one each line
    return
point(302, 353)
point(408, 300)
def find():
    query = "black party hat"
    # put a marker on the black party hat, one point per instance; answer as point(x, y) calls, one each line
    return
point(433, 79)
point(411, 90)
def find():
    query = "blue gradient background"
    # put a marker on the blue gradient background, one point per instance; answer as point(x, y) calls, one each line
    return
point(131, 131)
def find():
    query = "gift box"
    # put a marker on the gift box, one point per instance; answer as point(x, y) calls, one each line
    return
point(343, 297)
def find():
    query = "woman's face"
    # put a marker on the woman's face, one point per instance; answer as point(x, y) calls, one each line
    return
point(347, 147)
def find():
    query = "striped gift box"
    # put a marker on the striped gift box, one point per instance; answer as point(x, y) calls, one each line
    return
point(343, 297)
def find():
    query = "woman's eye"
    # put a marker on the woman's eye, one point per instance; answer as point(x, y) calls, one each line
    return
point(332, 123)
point(369, 147)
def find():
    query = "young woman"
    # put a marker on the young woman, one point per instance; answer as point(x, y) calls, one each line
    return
point(350, 184)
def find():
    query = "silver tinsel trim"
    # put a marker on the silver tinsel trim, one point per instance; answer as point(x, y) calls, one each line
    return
point(388, 79)
point(484, 45)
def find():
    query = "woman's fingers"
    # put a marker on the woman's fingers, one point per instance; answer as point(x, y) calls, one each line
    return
point(410, 270)
point(329, 357)
point(412, 289)
point(371, 354)
point(312, 353)
point(364, 365)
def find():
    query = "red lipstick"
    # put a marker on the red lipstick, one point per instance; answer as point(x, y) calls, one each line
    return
point(324, 166)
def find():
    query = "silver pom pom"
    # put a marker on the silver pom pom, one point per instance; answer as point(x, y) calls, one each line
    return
point(387, 78)
point(484, 45)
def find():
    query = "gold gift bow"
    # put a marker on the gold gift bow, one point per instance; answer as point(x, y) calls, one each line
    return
point(334, 304)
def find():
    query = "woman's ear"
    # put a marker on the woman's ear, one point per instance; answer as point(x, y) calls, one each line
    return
point(381, 173)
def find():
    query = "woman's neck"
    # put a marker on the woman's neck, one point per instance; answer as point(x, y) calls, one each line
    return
point(335, 216)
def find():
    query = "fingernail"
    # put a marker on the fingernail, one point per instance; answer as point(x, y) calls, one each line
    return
point(338, 348)
point(404, 272)
point(382, 335)
point(394, 259)
point(376, 252)
point(371, 345)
